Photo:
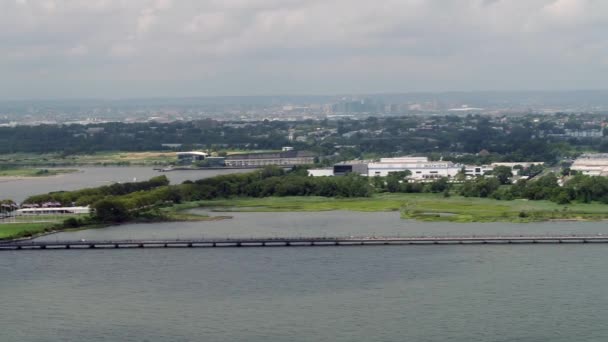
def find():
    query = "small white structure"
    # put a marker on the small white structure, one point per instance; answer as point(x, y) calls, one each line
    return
point(321, 172)
point(53, 211)
point(477, 170)
point(192, 156)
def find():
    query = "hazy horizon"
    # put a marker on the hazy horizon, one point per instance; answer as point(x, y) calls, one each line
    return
point(584, 92)
point(111, 49)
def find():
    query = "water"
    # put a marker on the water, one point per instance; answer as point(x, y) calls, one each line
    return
point(384, 293)
point(412, 293)
point(329, 223)
point(19, 189)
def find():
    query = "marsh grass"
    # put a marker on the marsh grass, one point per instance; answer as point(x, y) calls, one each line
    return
point(422, 207)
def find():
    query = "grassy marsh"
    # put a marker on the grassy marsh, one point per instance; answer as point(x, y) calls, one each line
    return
point(423, 207)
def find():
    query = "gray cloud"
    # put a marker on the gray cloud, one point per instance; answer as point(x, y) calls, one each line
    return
point(121, 48)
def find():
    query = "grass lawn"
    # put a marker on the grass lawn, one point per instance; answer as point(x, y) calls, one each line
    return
point(423, 207)
point(16, 230)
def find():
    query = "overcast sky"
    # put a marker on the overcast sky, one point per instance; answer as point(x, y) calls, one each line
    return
point(135, 48)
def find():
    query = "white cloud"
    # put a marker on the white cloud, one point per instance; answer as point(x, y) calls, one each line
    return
point(470, 43)
point(122, 50)
point(79, 50)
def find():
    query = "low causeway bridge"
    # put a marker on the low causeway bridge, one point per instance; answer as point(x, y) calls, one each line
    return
point(302, 241)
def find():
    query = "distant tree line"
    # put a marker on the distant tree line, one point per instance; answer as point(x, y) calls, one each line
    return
point(458, 139)
point(78, 139)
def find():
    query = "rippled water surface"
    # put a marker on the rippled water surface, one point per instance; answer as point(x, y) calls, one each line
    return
point(412, 293)
point(328, 223)
point(381, 293)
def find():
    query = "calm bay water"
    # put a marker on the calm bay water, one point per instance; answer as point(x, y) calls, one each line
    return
point(414, 293)
point(383, 293)
point(18, 189)
point(329, 223)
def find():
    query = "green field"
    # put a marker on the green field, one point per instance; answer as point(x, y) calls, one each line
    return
point(424, 207)
point(17, 230)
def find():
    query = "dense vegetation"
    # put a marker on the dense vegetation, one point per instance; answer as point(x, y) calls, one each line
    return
point(455, 138)
point(121, 202)
point(579, 188)
point(142, 200)
point(481, 199)
point(72, 139)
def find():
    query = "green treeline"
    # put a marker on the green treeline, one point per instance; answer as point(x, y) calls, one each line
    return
point(143, 200)
point(122, 202)
point(273, 181)
point(579, 188)
point(88, 196)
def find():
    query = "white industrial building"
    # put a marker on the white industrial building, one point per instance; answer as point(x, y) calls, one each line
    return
point(475, 170)
point(592, 164)
point(52, 211)
point(286, 158)
point(420, 167)
point(328, 172)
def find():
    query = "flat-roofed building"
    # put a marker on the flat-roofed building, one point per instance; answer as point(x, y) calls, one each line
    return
point(359, 168)
point(52, 211)
point(592, 164)
point(477, 170)
point(420, 167)
point(191, 157)
point(327, 172)
point(511, 165)
point(285, 158)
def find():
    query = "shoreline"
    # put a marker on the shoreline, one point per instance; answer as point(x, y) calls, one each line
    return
point(184, 218)
point(52, 172)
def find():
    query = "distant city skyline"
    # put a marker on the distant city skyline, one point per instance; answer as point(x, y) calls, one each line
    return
point(111, 49)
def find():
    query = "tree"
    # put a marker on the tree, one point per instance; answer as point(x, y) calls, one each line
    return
point(110, 210)
point(440, 185)
point(503, 174)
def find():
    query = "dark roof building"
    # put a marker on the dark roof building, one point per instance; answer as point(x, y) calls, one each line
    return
point(271, 158)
